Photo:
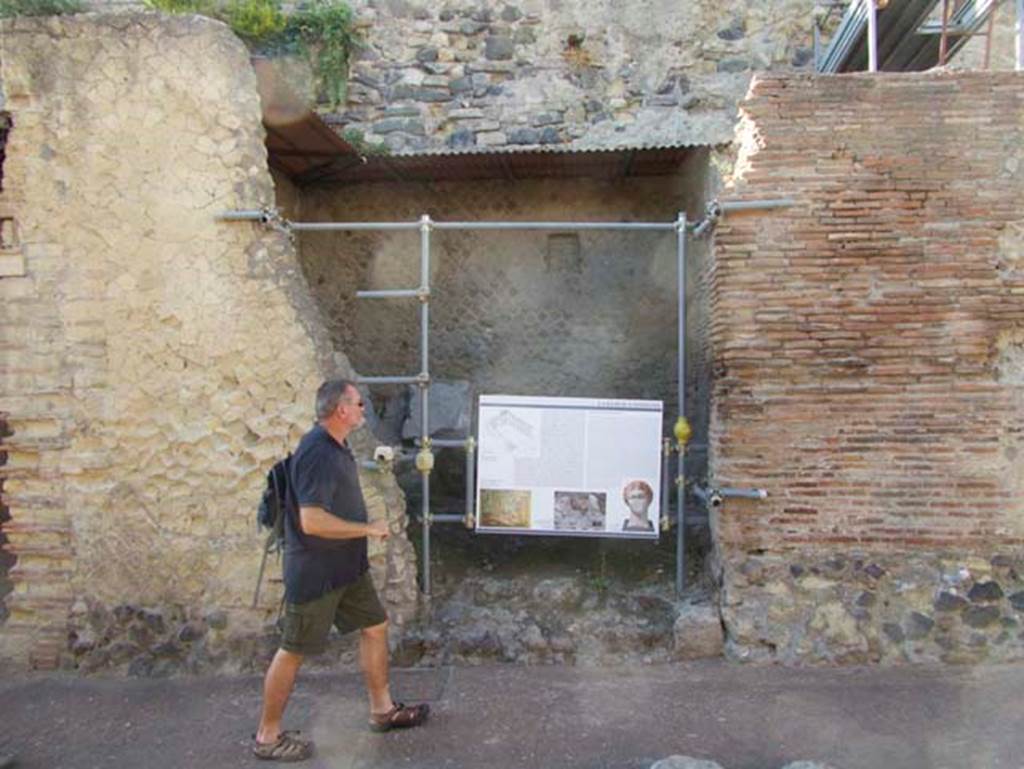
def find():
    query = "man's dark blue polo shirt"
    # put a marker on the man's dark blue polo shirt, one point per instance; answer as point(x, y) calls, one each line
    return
point(323, 474)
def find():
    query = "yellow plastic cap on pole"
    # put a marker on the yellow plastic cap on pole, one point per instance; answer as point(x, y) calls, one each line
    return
point(682, 431)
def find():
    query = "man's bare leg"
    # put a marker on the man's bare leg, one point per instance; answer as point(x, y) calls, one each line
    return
point(373, 657)
point(277, 687)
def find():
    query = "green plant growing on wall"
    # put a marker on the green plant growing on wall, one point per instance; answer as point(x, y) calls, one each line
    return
point(255, 21)
point(324, 29)
point(205, 7)
point(9, 8)
point(321, 29)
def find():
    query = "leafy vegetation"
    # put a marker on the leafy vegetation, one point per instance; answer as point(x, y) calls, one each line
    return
point(324, 29)
point(255, 21)
point(9, 8)
point(321, 29)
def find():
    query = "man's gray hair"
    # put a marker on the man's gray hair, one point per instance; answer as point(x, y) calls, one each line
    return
point(329, 396)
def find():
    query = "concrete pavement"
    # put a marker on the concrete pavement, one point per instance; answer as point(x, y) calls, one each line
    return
point(743, 717)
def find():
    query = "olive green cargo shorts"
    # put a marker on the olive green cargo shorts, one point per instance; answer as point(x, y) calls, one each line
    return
point(305, 626)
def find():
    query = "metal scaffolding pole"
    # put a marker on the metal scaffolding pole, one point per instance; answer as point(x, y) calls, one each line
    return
point(1020, 35)
point(681, 372)
point(426, 467)
point(664, 226)
point(872, 36)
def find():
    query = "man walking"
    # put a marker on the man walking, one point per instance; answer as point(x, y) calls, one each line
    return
point(326, 576)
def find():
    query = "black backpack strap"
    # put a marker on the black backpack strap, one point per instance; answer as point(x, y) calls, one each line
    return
point(275, 539)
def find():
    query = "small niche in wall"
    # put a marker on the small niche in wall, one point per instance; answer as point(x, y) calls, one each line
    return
point(563, 253)
point(8, 233)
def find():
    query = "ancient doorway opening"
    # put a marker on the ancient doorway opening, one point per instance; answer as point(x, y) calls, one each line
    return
point(589, 314)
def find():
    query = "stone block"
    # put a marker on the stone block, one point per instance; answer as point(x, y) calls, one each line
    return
point(697, 632)
point(980, 616)
point(499, 48)
point(461, 85)
point(735, 31)
point(524, 136)
point(491, 138)
point(982, 592)
point(432, 95)
point(734, 65)
point(461, 138)
point(949, 602)
point(426, 54)
point(467, 113)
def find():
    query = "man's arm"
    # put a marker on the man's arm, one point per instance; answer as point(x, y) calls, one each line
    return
point(317, 522)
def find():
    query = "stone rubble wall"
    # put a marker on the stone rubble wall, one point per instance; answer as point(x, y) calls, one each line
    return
point(156, 361)
point(868, 357)
point(600, 73)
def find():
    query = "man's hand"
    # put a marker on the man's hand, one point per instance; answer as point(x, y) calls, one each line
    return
point(378, 529)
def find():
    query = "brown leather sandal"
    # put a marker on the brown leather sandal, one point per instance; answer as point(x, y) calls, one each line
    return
point(289, 747)
point(399, 717)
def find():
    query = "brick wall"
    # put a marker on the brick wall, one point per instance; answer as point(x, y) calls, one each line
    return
point(869, 341)
point(869, 338)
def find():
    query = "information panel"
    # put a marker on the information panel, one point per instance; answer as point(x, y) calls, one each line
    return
point(569, 466)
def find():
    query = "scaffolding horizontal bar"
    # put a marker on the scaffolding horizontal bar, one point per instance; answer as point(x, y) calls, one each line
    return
point(666, 226)
point(391, 293)
point(755, 205)
point(447, 518)
point(242, 216)
point(341, 226)
point(415, 225)
point(726, 491)
point(391, 379)
point(935, 28)
point(445, 443)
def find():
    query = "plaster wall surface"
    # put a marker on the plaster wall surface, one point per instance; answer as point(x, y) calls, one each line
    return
point(156, 361)
point(867, 370)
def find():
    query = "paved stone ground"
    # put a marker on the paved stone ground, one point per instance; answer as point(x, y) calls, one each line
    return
point(743, 717)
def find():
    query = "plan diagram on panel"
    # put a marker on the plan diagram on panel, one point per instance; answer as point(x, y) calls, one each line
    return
point(517, 434)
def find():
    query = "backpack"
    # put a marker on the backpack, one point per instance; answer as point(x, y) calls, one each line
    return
point(270, 514)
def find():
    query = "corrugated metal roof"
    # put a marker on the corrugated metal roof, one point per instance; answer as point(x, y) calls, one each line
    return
point(517, 149)
point(524, 163)
point(300, 147)
point(311, 152)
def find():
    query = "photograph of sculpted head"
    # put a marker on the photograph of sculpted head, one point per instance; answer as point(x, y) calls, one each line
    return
point(638, 497)
point(579, 510)
point(508, 509)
